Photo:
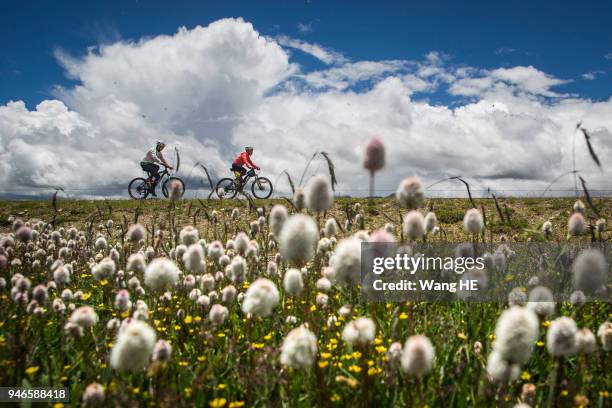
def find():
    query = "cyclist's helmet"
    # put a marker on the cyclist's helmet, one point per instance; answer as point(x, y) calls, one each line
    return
point(160, 142)
point(249, 149)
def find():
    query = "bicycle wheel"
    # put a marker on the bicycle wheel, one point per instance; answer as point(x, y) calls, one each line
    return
point(226, 188)
point(168, 183)
point(262, 187)
point(138, 188)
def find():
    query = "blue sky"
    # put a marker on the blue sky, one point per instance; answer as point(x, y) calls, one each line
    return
point(562, 38)
point(490, 91)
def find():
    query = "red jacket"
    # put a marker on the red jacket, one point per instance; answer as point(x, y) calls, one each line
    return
point(244, 159)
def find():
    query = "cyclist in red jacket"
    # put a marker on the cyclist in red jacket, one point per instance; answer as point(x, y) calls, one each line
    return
point(242, 160)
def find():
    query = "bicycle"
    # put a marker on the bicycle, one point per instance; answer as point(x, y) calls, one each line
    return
point(228, 187)
point(140, 188)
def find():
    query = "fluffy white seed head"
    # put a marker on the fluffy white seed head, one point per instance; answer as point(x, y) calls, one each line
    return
point(360, 331)
point(84, 316)
point(500, 370)
point(541, 301)
point(430, 222)
point(278, 216)
point(417, 356)
point(579, 207)
point(585, 341)
point(299, 349)
point(136, 233)
point(104, 270)
point(515, 334)
point(193, 259)
point(604, 332)
point(218, 314)
point(319, 196)
point(299, 198)
point(414, 225)
point(346, 261)
point(473, 222)
point(331, 228)
point(93, 396)
point(133, 348)
point(590, 270)
point(298, 238)
point(261, 298)
point(561, 337)
point(409, 193)
point(293, 282)
point(576, 225)
point(161, 274)
point(189, 235)
point(162, 351)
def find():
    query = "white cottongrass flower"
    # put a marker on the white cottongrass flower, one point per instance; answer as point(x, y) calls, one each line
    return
point(298, 238)
point(515, 334)
point(473, 222)
point(585, 341)
point(417, 356)
point(331, 228)
point(323, 285)
point(517, 297)
point(261, 298)
point(189, 235)
point(414, 225)
point(136, 263)
point(228, 294)
point(604, 332)
point(161, 274)
point(299, 349)
point(241, 242)
point(319, 196)
point(299, 198)
point(237, 269)
point(136, 233)
point(576, 225)
point(84, 316)
point(103, 270)
point(193, 259)
point(278, 216)
point(293, 282)
point(409, 193)
point(122, 300)
point(133, 348)
point(100, 243)
point(561, 337)
point(577, 298)
point(360, 331)
point(541, 301)
point(547, 229)
point(93, 396)
point(162, 351)
point(500, 370)
point(579, 207)
point(215, 250)
point(218, 314)
point(590, 270)
point(61, 274)
point(346, 261)
point(430, 222)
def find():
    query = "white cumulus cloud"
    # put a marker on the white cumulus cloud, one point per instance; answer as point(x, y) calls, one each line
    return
point(212, 90)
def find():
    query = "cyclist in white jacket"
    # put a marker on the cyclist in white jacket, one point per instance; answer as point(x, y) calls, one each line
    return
point(149, 163)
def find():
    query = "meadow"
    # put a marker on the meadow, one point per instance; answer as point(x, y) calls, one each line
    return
point(231, 303)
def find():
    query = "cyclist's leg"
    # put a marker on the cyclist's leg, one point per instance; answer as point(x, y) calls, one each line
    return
point(241, 170)
point(153, 171)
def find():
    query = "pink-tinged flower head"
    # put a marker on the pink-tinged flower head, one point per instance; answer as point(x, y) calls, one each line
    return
point(374, 157)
